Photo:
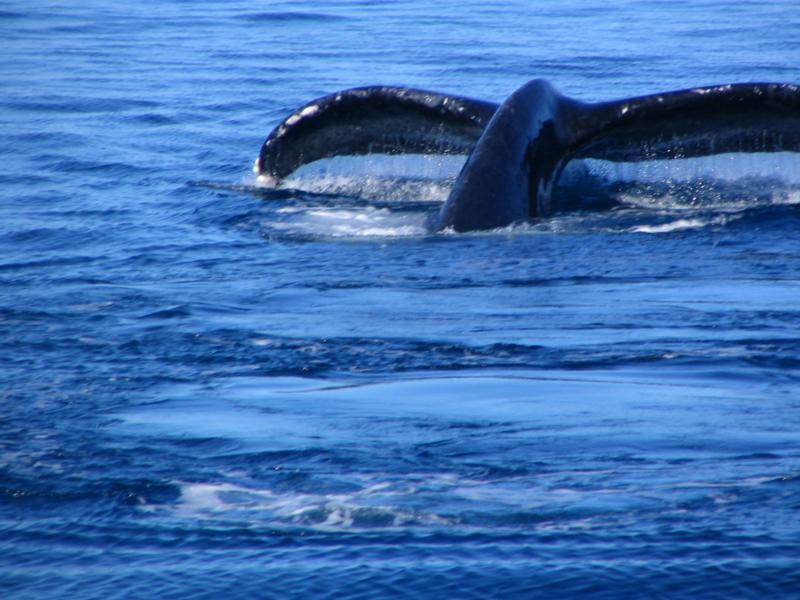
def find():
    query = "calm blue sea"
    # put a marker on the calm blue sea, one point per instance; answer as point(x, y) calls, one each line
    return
point(208, 390)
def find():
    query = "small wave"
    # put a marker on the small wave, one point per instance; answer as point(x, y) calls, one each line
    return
point(60, 103)
point(782, 213)
point(291, 16)
point(154, 118)
point(72, 165)
point(48, 262)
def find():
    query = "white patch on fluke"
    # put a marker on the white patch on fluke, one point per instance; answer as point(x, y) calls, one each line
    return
point(306, 112)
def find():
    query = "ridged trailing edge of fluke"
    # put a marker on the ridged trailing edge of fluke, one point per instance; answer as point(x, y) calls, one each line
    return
point(517, 150)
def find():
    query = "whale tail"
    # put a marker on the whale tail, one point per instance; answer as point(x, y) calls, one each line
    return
point(518, 149)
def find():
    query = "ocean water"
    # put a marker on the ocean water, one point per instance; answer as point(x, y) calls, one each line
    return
point(209, 389)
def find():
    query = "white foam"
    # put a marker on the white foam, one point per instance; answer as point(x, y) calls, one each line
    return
point(789, 197)
point(266, 181)
point(396, 189)
point(363, 507)
point(349, 223)
point(678, 225)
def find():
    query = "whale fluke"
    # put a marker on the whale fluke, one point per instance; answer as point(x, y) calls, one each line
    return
point(518, 149)
point(381, 120)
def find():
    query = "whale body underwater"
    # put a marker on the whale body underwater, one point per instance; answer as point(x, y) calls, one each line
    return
point(518, 149)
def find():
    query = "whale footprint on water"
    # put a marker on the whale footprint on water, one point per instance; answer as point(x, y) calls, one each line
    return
point(517, 150)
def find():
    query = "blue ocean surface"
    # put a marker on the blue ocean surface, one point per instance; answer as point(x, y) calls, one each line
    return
point(208, 389)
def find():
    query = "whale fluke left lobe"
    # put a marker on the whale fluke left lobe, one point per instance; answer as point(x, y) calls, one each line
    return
point(381, 120)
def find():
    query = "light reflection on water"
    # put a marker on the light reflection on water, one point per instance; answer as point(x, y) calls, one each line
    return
point(573, 449)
